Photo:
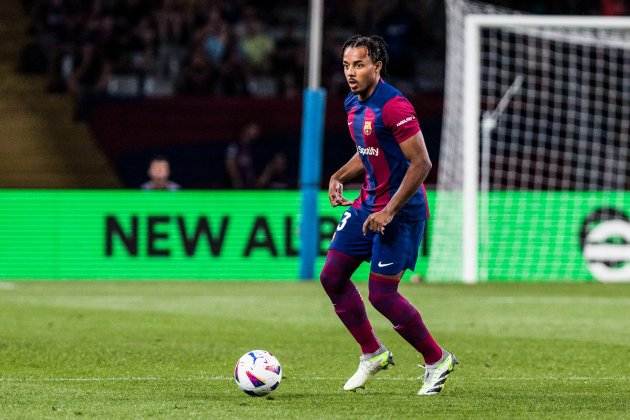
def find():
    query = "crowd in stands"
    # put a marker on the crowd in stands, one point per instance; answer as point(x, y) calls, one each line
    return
point(216, 47)
point(236, 47)
point(135, 48)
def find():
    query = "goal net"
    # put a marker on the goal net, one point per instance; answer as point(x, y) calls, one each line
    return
point(534, 152)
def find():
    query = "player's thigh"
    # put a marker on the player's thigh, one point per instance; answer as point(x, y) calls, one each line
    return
point(397, 249)
point(349, 238)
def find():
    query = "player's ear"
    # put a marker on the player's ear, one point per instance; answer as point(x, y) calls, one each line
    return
point(378, 66)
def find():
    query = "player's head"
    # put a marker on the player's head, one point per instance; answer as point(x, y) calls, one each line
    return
point(364, 59)
point(159, 169)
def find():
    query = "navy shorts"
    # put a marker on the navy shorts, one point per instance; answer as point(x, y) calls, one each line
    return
point(390, 253)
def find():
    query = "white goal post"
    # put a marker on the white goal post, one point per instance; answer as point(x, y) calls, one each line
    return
point(472, 152)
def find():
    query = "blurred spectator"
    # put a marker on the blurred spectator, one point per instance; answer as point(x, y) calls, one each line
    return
point(256, 42)
point(95, 60)
point(275, 174)
point(159, 173)
point(288, 60)
point(213, 37)
point(232, 74)
point(257, 48)
point(240, 167)
point(171, 22)
point(142, 50)
point(198, 76)
point(239, 158)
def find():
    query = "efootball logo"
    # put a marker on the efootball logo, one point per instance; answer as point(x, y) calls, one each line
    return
point(367, 128)
point(605, 242)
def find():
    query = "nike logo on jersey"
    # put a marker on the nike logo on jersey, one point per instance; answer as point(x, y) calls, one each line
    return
point(381, 265)
point(349, 122)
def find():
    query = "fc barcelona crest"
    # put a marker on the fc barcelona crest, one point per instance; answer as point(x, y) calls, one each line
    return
point(367, 128)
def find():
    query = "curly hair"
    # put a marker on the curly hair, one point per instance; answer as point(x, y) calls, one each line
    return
point(375, 45)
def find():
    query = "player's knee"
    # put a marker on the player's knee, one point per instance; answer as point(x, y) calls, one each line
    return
point(375, 298)
point(382, 292)
point(328, 281)
point(380, 299)
point(331, 279)
point(336, 272)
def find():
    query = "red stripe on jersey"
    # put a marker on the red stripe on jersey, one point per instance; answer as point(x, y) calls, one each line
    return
point(351, 123)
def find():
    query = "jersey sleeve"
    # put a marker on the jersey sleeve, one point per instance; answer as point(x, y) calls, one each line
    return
point(400, 117)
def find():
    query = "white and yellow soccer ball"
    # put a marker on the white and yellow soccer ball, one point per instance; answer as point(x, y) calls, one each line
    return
point(257, 373)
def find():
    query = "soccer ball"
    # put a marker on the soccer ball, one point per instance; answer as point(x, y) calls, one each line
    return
point(257, 373)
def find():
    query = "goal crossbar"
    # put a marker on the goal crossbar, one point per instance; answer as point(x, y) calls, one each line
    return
point(603, 22)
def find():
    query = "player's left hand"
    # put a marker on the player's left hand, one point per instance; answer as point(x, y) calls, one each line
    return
point(376, 222)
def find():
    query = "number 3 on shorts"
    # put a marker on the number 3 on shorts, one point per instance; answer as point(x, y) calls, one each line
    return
point(344, 220)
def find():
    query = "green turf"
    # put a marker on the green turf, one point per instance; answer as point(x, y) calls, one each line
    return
point(120, 350)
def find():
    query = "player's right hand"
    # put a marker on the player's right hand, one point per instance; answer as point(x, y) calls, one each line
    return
point(335, 194)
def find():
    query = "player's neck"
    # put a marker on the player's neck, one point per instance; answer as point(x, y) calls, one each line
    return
point(369, 91)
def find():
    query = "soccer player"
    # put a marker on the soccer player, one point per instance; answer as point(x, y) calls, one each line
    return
point(385, 224)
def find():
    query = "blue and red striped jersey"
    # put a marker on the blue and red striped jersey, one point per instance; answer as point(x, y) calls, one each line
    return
point(378, 125)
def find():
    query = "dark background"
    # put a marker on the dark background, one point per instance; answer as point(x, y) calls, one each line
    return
point(181, 78)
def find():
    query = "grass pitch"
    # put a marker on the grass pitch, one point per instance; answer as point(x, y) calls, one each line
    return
point(120, 350)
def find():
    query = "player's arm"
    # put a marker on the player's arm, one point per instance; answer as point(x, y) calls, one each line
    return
point(352, 169)
point(416, 153)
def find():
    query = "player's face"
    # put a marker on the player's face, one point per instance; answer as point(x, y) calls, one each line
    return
point(361, 72)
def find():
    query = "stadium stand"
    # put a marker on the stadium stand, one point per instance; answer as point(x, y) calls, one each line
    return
point(160, 59)
point(38, 138)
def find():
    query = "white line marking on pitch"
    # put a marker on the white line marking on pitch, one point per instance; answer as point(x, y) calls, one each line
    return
point(315, 378)
point(567, 300)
